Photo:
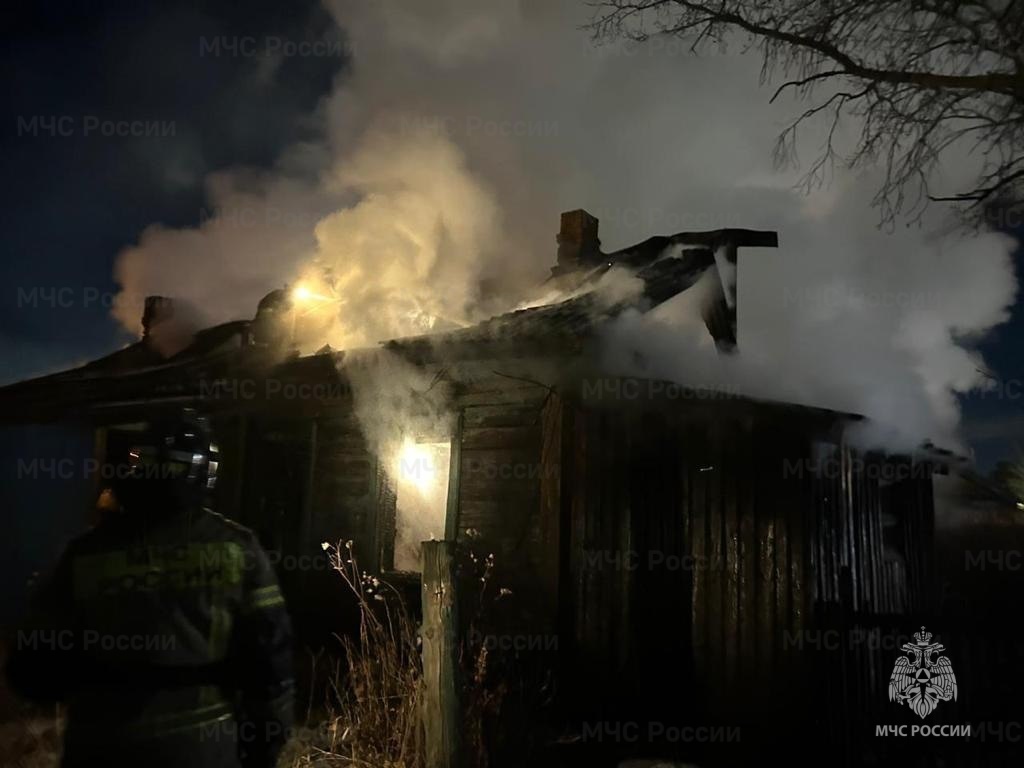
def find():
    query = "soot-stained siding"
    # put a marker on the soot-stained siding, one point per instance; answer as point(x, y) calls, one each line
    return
point(701, 549)
point(504, 473)
point(687, 558)
point(873, 528)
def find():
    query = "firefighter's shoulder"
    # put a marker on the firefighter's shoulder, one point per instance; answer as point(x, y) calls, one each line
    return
point(230, 529)
point(264, 592)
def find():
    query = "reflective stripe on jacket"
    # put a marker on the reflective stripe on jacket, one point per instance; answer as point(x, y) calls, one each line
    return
point(165, 635)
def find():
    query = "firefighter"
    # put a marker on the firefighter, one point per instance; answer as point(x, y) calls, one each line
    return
point(163, 628)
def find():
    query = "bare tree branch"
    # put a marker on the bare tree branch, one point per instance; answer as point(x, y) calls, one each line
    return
point(921, 77)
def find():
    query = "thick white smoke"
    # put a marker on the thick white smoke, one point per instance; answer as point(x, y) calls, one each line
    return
point(466, 126)
point(405, 257)
point(404, 415)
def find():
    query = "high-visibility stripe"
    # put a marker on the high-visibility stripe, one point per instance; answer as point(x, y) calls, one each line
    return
point(197, 565)
point(264, 597)
point(267, 602)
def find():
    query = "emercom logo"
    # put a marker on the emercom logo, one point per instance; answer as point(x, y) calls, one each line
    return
point(919, 680)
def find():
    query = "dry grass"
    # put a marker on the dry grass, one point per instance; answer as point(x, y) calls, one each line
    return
point(30, 736)
point(374, 717)
point(482, 696)
point(30, 742)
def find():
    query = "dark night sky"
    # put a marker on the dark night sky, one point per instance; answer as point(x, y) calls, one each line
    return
point(72, 202)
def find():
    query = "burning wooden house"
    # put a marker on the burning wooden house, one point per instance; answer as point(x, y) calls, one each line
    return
point(675, 554)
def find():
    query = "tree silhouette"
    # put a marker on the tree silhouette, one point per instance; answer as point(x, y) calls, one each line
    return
point(920, 76)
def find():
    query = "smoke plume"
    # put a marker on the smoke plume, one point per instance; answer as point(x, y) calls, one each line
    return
point(463, 128)
point(405, 419)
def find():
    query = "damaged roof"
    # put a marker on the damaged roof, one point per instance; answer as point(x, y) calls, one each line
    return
point(568, 322)
point(664, 264)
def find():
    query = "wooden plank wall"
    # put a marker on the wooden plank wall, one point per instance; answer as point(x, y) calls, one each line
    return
point(688, 561)
point(774, 527)
point(865, 596)
point(913, 504)
point(853, 681)
point(344, 501)
point(852, 495)
point(309, 479)
point(276, 468)
point(230, 430)
point(506, 471)
point(599, 550)
point(318, 474)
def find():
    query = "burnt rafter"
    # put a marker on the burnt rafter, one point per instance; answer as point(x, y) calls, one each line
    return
point(579, 247)
point(647, 251)
point(700, 251)
point(664, 271)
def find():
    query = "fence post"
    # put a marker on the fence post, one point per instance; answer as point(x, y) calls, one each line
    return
point(442, 716)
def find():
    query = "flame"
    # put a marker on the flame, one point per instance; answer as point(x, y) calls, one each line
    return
point(416, 465)
point(303, 294)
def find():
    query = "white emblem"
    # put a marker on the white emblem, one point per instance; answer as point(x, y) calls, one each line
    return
point(918, 680)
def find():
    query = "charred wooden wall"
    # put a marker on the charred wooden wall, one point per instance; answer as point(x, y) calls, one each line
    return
point(344, 487)
point(303, 478)
point(299, 480)
point(873, 523)
point(703, 541)
point(683, 555)
point(304, 481)
point(508, 468)
point(688, 560)
point(872, 549)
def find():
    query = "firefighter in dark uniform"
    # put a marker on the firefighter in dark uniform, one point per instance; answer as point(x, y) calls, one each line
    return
point(162, 629)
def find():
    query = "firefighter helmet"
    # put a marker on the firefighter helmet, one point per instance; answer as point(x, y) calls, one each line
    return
point(172, 456)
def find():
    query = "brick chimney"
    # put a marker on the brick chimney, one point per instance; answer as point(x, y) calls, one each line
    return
point(578, 245)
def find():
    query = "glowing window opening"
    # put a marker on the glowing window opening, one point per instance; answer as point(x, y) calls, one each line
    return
point(420, 478)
